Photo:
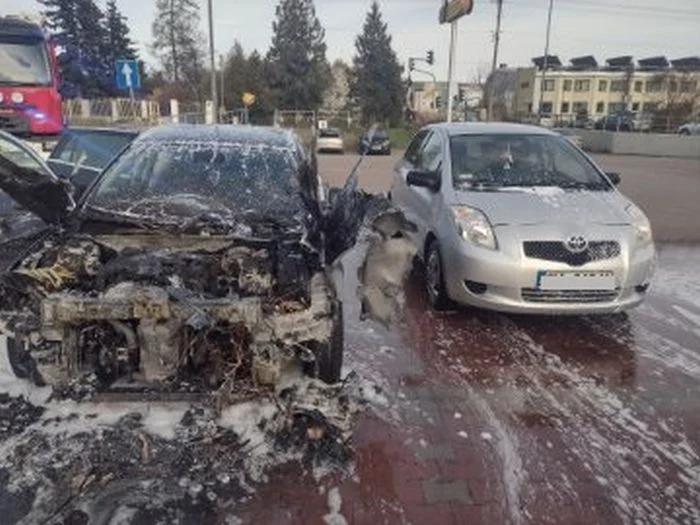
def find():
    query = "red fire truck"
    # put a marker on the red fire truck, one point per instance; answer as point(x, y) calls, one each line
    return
point(30, 104)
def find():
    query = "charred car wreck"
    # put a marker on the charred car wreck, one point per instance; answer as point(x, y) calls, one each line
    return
point(197, 261)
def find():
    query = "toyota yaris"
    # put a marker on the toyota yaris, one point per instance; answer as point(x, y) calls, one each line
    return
point(517, 219)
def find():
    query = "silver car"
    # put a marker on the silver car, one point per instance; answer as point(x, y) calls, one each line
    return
point(517, 219)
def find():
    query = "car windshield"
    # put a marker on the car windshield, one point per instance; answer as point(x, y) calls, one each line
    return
point(189, 178)
point(24, 64)
point(499, 161)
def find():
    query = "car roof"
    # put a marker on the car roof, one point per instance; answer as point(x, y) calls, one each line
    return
point(485, 128)
point(231, 133)
point(91, 129)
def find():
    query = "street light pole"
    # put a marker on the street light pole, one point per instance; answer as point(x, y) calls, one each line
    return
point(545, 63)
point(212, 59)
point(450, 69)
point(494, 61)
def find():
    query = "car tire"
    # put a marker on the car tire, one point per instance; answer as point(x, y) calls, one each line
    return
point(684, 132)
point(435, 278)
point(329, 355)
point(21, 365)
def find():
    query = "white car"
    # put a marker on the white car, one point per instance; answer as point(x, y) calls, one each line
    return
point(516, 219)
point(329, 140)
point(692, 127)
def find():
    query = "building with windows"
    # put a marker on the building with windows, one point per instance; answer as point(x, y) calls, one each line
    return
point(586, 88)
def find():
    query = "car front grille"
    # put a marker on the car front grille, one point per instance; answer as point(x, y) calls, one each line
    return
point(532, 295)
point(558, 252)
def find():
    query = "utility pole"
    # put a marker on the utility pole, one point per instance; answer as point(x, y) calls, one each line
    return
point(545, 62)
point(222, 93)
point(494, 62)
point(450, 69)
point(212, 60)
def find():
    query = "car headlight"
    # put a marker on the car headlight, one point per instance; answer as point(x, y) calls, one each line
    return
point(474, 227)
point(641, 224)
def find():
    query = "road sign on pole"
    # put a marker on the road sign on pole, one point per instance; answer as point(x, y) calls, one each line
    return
point(127, 75)
point(450, 12)
point(455, 9)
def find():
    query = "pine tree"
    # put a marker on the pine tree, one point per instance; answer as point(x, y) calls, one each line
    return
point(298, 70)
point(376, 83)
point(77, 26)
point(119, 43)
point(178, 40)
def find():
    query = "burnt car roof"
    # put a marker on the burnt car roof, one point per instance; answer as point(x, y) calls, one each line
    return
point(220, 133)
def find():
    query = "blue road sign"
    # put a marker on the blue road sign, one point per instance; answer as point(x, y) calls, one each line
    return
point(127, 74)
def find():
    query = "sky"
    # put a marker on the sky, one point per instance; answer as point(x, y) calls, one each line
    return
point(603, 28)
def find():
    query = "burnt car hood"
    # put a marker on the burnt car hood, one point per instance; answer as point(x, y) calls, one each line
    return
point(40, 191)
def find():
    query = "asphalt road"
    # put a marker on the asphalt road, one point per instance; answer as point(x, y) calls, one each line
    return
point(494, 419)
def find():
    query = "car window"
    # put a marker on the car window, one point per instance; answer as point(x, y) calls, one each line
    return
point(98, 148)
point(431, 153)
point(330, 133)
point(413, 149)
point(521, 160)
point(20, 156)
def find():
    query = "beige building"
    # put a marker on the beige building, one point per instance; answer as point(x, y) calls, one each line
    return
point(585, 88)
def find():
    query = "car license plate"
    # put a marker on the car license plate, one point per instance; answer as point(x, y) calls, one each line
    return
point(575, 280)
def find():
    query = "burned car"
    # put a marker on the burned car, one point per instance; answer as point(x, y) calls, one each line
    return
point(197, 260)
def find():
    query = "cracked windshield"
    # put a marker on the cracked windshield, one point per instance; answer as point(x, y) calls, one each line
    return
point(418, 262)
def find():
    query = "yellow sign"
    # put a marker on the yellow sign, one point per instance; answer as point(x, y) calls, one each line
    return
point(248, 99)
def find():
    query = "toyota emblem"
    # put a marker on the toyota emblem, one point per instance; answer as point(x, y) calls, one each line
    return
point(576, 244)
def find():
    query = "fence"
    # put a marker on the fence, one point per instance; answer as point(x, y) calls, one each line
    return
point(659, 122)
point(111, 112)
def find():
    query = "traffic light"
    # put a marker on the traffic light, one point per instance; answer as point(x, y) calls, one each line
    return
point(430, 59)
point(438, 101)
point(461, 95)
point(411, 64)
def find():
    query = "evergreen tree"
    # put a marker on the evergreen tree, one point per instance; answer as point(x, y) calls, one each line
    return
point(247, 74)
point(298, 70)
point(178, 41)
point(376, 84)
point(119, 44)
point(77, 27)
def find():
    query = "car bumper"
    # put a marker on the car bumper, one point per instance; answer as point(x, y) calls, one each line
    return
point(506, 280)
point(329, 145)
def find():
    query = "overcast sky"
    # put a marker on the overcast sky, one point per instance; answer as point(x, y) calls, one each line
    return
point(603, 28)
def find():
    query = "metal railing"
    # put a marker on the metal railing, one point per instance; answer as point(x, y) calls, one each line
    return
point(111, 112)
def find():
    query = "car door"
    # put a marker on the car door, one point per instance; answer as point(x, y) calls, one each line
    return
point(400, 192)
point(25, 180)
point(424, 200)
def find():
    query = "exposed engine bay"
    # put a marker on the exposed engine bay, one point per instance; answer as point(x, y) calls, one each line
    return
point(176, 312)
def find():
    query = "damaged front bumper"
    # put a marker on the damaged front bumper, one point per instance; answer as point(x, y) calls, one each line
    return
point(151, 334)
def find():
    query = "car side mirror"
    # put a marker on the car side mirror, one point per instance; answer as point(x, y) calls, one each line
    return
point(423, 179)
point(614, 177)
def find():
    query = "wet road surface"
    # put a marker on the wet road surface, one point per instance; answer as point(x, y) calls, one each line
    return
point(486, 418)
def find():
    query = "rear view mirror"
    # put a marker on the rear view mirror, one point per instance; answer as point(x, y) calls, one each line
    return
point(614, 177)
point(423, 179)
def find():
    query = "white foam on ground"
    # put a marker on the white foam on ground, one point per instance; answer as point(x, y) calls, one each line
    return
point(334, 517)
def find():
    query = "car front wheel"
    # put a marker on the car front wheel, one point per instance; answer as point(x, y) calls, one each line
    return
point(435, 278)
point(329, 354)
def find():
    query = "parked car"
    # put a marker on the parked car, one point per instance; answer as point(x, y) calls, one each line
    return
point(692, 127)
point(82, 153)
point(196, 258)
point(375, 141)
point(514, 218)
point(329, 140)
point(625, 121)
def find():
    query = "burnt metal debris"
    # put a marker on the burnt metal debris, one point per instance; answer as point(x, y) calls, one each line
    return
point(197, 263)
